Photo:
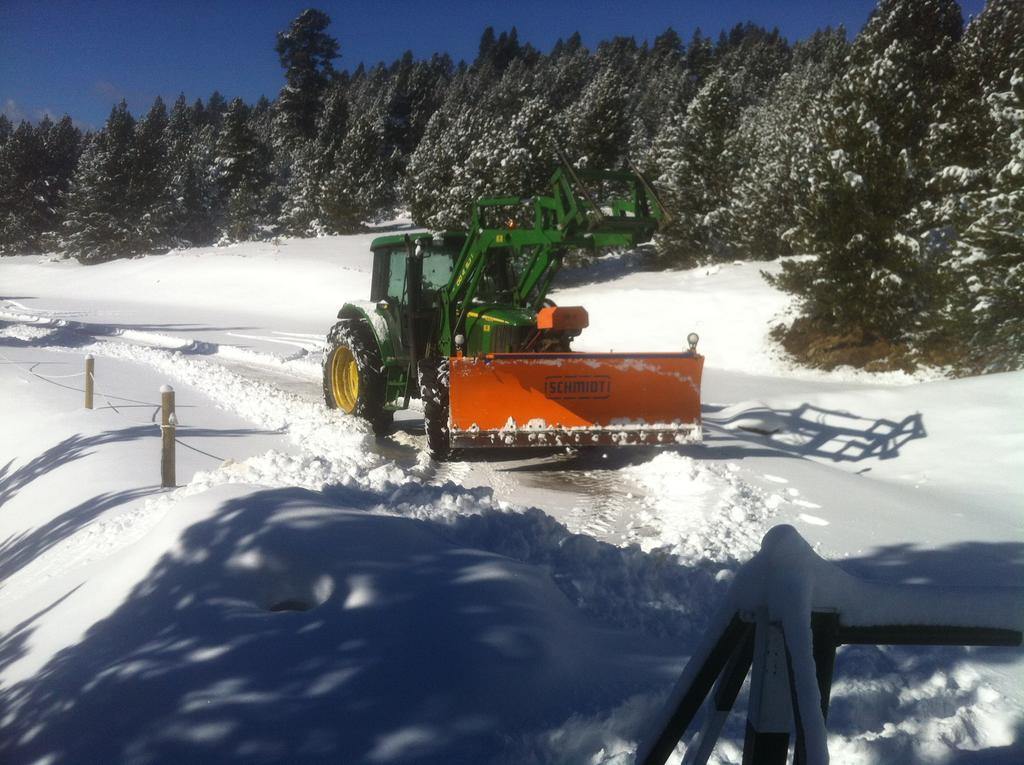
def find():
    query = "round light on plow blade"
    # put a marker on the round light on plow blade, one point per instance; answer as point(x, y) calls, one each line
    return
point(692, 339)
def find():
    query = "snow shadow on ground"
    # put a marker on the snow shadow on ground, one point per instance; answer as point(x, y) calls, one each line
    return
point(17, 550)
point(811, 431)
point(66, 451)
point(287, 627)
point(805, 431)
point(281, 630)
point(76, 334)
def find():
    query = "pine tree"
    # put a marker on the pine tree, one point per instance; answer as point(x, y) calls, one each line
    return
point(195, 201)
point(870, 280)
point(212, 113)
point(22, 190)
point(754, 59)
point(62, 145)
point(98, 226)
point(597, 126)
point(981, 209)
point(313, 162)
point(242, 168)
point(150, 197)
point(307, 54)
point(567, 71)
point(362, 185)
point(664, 87)
point(776, 145)
point(990, 254)
point(695, 172)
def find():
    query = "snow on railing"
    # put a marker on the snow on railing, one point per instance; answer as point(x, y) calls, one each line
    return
point(785, 614)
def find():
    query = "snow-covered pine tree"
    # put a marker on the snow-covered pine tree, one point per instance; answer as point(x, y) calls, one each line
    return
point(62, 145)
point(990, 253)
point(242, 168)
point(97, 226)
point(213, 111)
point(664, 87)
point(362, 184)
point(313, 162)
point(22, 200)
point(434, 186)
point(151, 196)
point(870, 284)
point(36, 165)
point(196, 202)
point(566, 72)
point(483, 141)
point(982, 185)
point(307, 54)
point(775, 143)
point(597, 126)
point(694, 171)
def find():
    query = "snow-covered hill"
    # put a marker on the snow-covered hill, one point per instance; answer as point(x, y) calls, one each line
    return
point(312, 594)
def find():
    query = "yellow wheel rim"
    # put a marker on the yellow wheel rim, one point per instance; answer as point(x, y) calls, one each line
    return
point(344, 379)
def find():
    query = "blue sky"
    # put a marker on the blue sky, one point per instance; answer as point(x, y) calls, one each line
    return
point(80, 57)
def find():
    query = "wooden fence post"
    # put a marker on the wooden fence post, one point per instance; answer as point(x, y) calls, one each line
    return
point(90, 367)
point(168, 423)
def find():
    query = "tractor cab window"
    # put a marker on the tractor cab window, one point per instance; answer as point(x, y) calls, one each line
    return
point(437, 270)
point(497, 280)
point(396, 275)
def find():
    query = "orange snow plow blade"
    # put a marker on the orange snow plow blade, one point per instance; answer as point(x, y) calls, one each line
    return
point(561, 399)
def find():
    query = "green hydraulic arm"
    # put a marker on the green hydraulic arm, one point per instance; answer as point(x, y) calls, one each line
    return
point(586, 209)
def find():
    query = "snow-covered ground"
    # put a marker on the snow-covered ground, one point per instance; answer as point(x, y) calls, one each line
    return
point(310, 593)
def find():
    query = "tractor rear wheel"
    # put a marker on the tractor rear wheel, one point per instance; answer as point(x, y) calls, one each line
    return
point(354, 380)
point(433, 379)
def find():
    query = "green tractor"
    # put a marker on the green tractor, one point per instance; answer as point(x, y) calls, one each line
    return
point(462, 321)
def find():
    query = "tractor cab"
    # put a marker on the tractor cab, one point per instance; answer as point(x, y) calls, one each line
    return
point(413, 266)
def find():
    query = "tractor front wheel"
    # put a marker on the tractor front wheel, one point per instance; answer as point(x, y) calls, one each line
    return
point(433, 374)
point(354, 380)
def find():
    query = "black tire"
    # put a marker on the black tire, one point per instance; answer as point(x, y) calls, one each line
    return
point(354, 336)
point(433, 379)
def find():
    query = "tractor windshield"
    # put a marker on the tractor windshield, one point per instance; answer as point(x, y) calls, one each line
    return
point(437, 270)
point(498, 278)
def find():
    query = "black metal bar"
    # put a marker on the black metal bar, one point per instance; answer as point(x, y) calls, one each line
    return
point(911, 634)
point(413, 282)
point(694, 696)
point(728, 688)
point(800, 741)
point(764, 748)
point(736, 670)
point(825, 628)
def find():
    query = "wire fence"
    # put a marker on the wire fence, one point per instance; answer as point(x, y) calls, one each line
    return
point(30, 368)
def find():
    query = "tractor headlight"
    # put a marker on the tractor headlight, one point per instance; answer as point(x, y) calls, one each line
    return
point(692, 339)
point(459, 341)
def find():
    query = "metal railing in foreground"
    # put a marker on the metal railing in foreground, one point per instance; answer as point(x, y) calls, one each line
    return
point(786, 613)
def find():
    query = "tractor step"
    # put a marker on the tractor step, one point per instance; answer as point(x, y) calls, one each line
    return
point(563, 399)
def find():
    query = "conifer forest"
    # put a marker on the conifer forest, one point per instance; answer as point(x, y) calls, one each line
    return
point(889, 165)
